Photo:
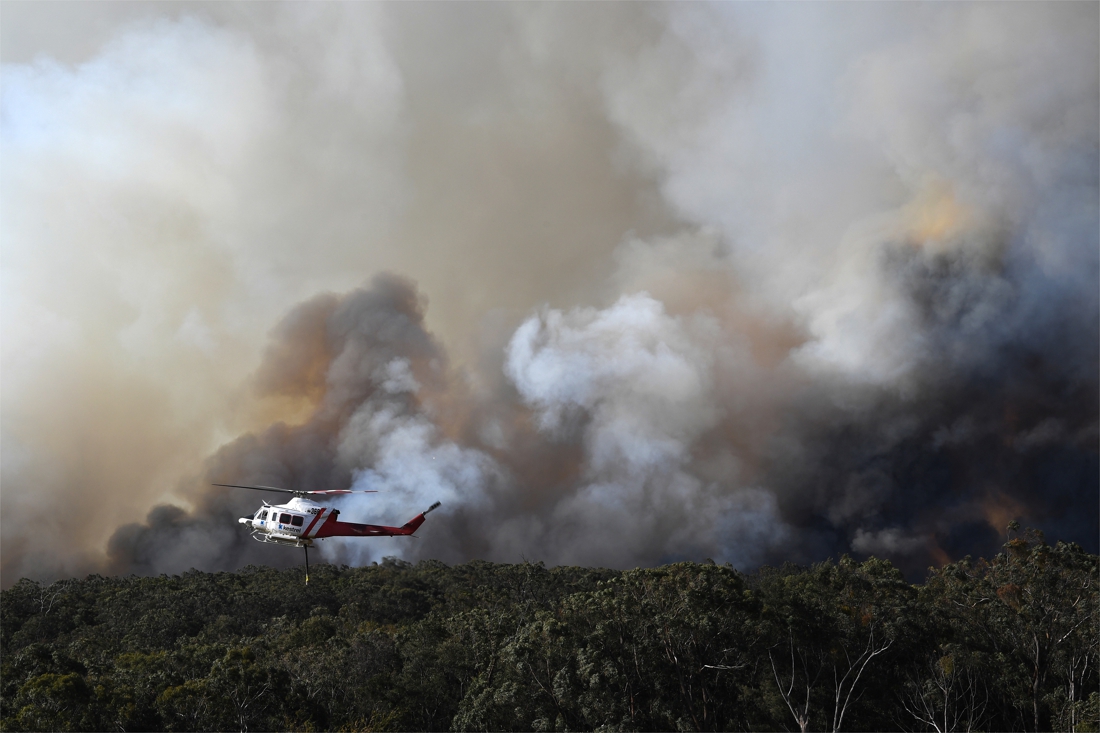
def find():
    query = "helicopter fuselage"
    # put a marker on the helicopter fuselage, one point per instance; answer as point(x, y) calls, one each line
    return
point(300, 521)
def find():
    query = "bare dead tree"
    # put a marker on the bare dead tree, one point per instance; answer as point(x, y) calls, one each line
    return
point(846, 685)
point(951, 697)
point(802, 714)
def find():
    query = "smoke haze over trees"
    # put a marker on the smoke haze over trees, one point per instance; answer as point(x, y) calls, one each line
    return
point(619, 284)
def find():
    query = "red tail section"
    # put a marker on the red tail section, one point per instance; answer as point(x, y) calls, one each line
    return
point(413, 524)
point(334, 528)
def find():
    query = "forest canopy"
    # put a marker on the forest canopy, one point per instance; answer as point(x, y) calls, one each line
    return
point(1005, 644)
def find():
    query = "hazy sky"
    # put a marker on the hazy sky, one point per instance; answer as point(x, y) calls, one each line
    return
point(618, 283)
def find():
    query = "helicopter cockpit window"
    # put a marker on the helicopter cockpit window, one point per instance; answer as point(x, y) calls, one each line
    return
point(284, 518)
point(297, 521)
point(263, 514)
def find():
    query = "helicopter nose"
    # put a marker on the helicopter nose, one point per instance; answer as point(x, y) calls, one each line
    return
point(245, 520)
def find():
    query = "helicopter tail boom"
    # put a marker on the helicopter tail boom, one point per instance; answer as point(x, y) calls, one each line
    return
point(335, 528)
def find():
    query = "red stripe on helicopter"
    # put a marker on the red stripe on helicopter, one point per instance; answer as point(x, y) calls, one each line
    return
point(316, 517)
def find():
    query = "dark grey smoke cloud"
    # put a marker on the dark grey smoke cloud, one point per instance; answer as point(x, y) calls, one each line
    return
point(364, 354)
point(634, 466)
point(754, 283)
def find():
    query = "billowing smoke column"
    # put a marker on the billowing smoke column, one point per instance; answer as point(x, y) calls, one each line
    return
point(757, 283)
point(634, 436)
point(375, 378)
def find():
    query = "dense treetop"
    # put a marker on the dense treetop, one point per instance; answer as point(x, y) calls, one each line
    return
point(1006, 644)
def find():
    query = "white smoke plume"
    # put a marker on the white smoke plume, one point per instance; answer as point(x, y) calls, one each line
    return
point(749, 282)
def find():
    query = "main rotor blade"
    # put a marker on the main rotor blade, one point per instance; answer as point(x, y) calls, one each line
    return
point(323, 492)
point(258, 488)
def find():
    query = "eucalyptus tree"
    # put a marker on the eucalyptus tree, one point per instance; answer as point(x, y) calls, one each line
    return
point(826, 630)
point(1033, 609)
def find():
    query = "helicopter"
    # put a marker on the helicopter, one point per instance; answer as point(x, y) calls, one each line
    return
point(300, 521)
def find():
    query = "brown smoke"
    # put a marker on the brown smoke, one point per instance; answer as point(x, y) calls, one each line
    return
point(753, 283)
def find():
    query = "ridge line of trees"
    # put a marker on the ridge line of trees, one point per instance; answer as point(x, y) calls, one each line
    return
point(1012, 643)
